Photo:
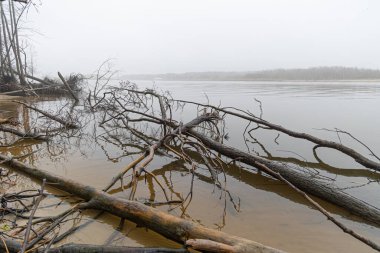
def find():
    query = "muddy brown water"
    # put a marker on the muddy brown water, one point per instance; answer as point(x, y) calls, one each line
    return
point(269, 212)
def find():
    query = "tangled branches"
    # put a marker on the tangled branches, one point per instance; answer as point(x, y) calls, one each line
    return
point(143, 125)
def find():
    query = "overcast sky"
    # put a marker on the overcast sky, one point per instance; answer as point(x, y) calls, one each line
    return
point(160, 36)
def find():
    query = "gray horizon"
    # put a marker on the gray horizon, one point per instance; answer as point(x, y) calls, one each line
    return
point(203, 36)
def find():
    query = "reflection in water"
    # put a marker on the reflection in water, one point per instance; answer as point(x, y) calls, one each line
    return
point(338, 90)
point(268, 211)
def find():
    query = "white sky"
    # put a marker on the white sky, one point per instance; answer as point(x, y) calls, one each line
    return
point(160, 36)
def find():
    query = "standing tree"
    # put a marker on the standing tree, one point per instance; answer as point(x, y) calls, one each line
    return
point(12, 54)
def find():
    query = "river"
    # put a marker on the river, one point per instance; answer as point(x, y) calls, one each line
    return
point(269, 212)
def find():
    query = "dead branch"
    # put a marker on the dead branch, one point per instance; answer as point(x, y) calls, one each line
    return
point(29, 225)
point(322, 143)
point(63, 122)
point(68, 87)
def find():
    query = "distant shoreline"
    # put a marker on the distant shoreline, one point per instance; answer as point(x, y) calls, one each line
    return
point(315, 81)
point(315, 74)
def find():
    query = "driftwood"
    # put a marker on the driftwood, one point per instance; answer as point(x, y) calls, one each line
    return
point(12, 246)
point(305, 182)
point(291, 172)
point(170, 226)
point(287, 172)
point(122, 111)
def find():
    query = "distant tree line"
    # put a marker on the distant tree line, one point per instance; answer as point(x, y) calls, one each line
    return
point(310, 74)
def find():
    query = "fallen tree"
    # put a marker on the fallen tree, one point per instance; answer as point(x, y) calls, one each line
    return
point(291, 172)
point(11, 246)
point(172, 227)
point(309, 183)
point(361, 159)
point(126, 109)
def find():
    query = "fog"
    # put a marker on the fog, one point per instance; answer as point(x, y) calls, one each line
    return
point(150, 36)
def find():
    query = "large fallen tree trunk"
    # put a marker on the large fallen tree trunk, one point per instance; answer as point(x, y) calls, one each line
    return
point(170, 226)
point(11, 246)
point(303, 181)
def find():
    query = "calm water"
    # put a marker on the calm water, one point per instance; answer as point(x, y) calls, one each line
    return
point(270, 212)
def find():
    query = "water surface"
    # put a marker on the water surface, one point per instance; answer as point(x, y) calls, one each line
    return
point(269, 212)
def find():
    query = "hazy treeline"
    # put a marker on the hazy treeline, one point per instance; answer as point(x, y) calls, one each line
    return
point(316, 73)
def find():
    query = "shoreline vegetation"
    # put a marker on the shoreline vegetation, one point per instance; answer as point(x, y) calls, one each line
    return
point(16, 65)
point(338, 73)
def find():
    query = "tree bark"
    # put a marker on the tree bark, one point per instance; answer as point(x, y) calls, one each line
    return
point(170, 226)
point(15, 247)
point(302, 181)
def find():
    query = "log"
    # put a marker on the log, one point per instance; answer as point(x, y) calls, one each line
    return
point(172, 227)
point(15, 247)
point(302, 181)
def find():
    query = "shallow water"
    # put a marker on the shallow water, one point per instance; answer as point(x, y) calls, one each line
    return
point(270, 212)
